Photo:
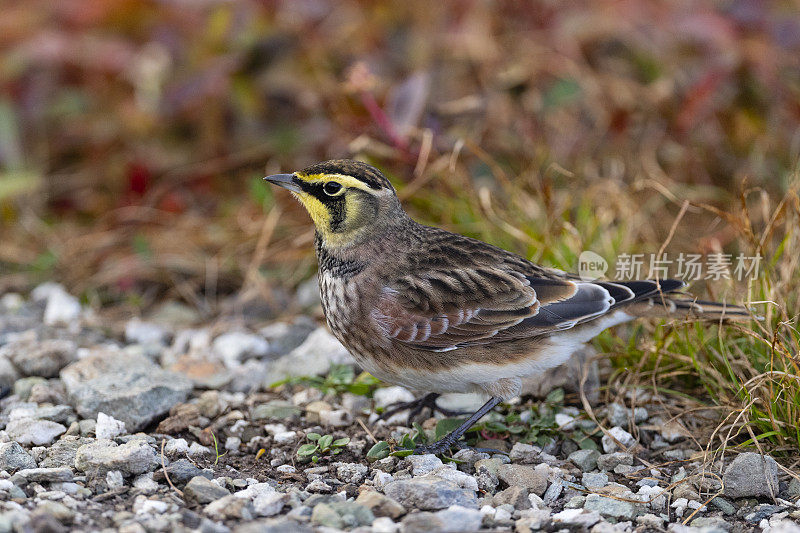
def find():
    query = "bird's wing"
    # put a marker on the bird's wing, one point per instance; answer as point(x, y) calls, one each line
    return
point(445, 309)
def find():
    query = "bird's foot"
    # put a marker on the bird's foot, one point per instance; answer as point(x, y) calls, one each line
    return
point(415, 407)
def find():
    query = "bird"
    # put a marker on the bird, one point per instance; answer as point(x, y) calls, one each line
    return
point(435, 311)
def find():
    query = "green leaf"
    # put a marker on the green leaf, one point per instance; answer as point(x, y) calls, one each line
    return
point(338, 443)
point(313, 437)
point(359, 389)
point(402, 453)
point(306, 449)
point(380, 450)
point(324, 442)
point(555, 396)
point(445, 426)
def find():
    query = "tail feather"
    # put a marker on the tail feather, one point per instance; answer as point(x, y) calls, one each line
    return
point(660, 298)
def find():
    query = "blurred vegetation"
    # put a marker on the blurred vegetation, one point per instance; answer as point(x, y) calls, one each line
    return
point(133, 136)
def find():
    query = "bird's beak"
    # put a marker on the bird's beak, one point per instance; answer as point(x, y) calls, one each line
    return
point(284, 180)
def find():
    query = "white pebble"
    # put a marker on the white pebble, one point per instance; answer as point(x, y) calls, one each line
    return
point(108, 427)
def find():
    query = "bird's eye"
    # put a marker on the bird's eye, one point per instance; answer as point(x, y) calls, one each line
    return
point(332, 188)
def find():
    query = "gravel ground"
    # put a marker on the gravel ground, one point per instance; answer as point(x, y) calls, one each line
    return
point(153, 426)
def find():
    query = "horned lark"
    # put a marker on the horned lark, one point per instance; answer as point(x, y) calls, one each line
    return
point(435, 311)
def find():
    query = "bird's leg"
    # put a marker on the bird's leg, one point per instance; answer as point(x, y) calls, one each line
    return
point(416, 406)
point(448, 441)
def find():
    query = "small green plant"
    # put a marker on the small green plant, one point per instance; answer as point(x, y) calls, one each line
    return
point(217, 455)
point(321, 445)
point(340, 379)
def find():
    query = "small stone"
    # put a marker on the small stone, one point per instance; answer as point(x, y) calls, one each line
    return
point(423, 464)
point(711, 522)
point(230, 507)
point(145, 483)
point(236, 346)
point(42, 475)
point(610, 507)
point(751, 475)
point(314, 409)
point(532, 478)
point(61, 307)
point(270, 504)
point(336, 418)
point(618, 414)
point(384, 524)
point(180, 472)
point(514, 496)
point(131, 458)
point(114, 480)
point(577, 517)
point(462, 479)
point(524, 453)
point(313, 357)
point(40, 358)
point(624, 438)
point(60, 512)
point(609, 461)
point(429, 493)
point(108, 427)
point(284, 337)
point(34, 432)
point(319, 486)
point(594, 481)
point(202, 490)
point(586, 460)
point(532, 521)
point(650, 520)
point(386, 396)
point(723, 505)
point(453, 520)
point(139, 332)
point(13, 457)
point(351, 472)
point(380, 505)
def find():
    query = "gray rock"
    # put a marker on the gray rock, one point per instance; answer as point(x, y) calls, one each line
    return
point(712, 522)
point(609, 461)
point(610, 507)
point(40, 358)
point(423, 464)
point(100, 457)
point(230, 508)
point(380, 504)
point(351, 472)
point(593, 481)
point(284, 337)
point(273, 525)
point(202, 490)
point(270, 504)
point(577, 518)
point(751, 475)
point(62, 452)
point(456, 519)
point(128, 387)
point(8, 374)
point(623, 437)
point(61, 308)
point(532, 478)
point(723, 505)
point(618, 414)
point(517, 497)
point(35, 432)
point(24, 386)
point(139, 332)
point(429, 493)
point(13, 457)
point(313, 357)
point(236, 346)
point(342, 515)
point(586, 460)
point(181, 471)
point(42, 475)
point(792, 490)
point(525, 453)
